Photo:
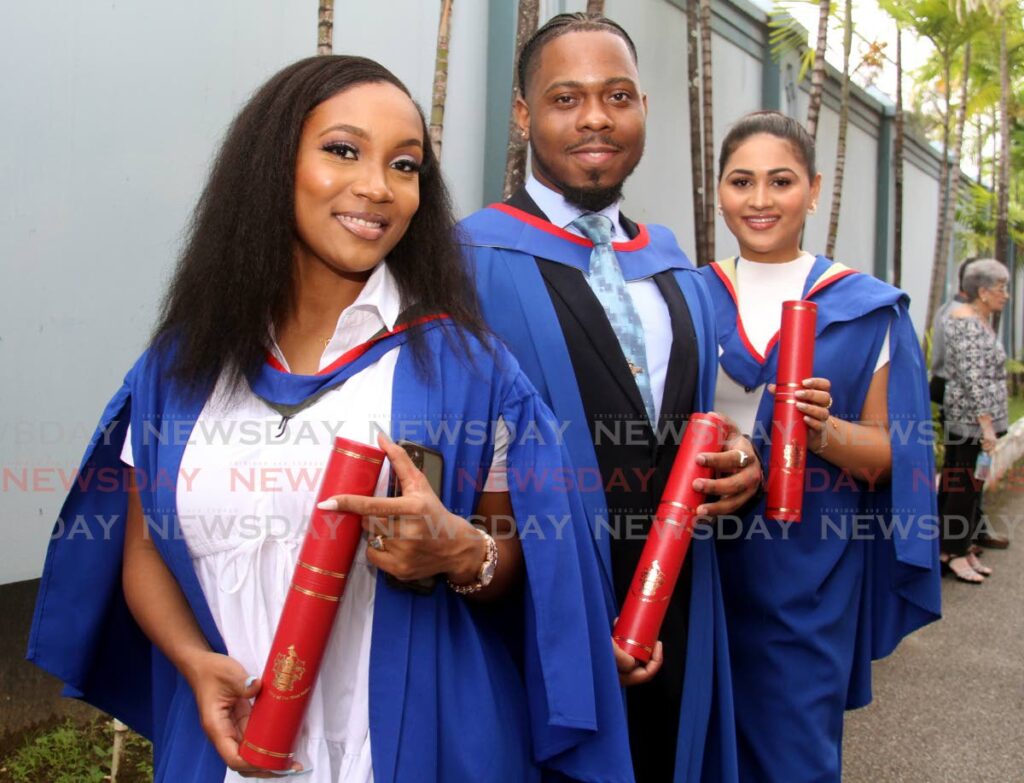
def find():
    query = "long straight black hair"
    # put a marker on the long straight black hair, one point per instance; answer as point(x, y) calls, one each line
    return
point(234, 279)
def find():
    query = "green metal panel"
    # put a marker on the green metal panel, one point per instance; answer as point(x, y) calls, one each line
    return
point(771, 78)
point(501, 40)
point(882, 195)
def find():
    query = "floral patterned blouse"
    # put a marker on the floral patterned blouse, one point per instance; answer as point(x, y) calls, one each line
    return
point(976, 364)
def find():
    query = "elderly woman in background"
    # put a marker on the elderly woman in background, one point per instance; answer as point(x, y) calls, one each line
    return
point(976, 410)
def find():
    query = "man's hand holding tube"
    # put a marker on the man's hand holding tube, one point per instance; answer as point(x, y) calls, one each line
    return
point(738, 471)
point(737, 479)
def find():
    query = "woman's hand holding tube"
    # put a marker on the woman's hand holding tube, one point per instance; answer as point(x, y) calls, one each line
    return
point(815, 403)
point(221, 685)
point(223, 691)
point(421, 538)
point(862, 448)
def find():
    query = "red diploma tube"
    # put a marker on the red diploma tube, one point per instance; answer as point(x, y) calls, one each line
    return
point(309, 610)
point(643, 611)
point(789, 431)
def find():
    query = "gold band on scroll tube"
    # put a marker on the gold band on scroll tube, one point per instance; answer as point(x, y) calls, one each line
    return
point(789, 385)
point(324, 571)
point(705, 422)
point(314, 594)
point(356, 455)
point(781, 510)
point(266, 752)
point(799, 307)
point(677, 504)
point(674, 522)
point(635, 643)
point(644, 600)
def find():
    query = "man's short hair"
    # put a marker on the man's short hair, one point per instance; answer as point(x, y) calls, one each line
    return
point(558, 26)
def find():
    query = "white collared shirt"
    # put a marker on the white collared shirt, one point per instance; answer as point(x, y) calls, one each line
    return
point(650, 304)
point(246, 489)
point(377, 307)
point(562, 212)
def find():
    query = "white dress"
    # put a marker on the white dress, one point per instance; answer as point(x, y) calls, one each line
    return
point(246, 491)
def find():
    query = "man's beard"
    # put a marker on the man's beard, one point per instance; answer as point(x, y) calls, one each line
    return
point(591, 198)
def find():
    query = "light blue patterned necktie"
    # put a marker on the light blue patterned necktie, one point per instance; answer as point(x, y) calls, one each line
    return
point(606, 281)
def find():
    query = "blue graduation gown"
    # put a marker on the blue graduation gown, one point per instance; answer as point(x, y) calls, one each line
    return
point(810, 604)
point(502, 243)
point(457, 691)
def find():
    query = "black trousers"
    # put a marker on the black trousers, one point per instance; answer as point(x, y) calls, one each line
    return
point(960, 496)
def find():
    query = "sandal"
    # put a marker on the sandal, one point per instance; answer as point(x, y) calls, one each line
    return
point(961, 574)
point(976, 566)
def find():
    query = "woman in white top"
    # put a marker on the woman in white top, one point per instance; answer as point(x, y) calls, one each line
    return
point(809, 604)
point(321, 293)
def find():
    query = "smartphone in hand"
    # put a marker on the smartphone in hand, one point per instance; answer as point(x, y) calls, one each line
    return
point(431, 463)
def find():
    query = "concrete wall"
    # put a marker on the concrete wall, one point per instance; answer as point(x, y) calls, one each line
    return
point(112, 113)
point(920, 210)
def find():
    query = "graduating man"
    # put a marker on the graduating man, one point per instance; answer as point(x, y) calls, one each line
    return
point(613, 325)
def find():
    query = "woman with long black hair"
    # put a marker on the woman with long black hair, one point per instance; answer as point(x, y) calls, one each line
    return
point(320, 293)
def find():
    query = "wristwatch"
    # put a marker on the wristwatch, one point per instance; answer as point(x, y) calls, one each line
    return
point(486, 573)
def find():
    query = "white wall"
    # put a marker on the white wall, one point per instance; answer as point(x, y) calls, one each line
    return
point(921, 203)
point(855, 239)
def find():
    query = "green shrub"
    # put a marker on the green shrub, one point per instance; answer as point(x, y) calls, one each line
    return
point(73, 753)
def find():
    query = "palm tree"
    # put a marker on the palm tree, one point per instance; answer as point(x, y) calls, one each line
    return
point(1003, 187)
point(788, 35)
point(936, 21)
point(707, 115)
point(696, 151)
point(440, 78)
point(961, 125)
point(325, 27)
point(515, 156)
point(844, 119)
point(818, 71)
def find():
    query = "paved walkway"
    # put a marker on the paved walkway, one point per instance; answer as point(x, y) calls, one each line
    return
point(949, 703)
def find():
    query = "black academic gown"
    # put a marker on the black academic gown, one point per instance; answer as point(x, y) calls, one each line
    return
point(634, 461)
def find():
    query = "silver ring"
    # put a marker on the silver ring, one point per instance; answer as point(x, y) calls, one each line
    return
point(744, 458)
point(377, 542)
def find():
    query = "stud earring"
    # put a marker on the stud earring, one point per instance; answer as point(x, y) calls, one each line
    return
point(720, 211)
point(812, 209)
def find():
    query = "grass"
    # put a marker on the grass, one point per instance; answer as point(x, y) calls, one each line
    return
point(1016, 408)
point(76, 753)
